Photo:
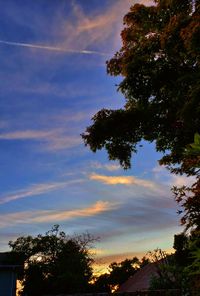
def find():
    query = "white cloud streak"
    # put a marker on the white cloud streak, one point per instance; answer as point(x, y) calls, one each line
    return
point(52, 48)
point(52, 140)
point(162, 175)
point(25, 135)
point(35, 190)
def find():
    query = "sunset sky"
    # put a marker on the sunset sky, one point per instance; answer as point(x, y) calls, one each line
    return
point(53, 80)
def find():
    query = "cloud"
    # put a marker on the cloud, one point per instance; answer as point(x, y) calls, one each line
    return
point(82, 30)
point(96, 209)
point(182, 180)
point(123, 180)
point(56, 216)
point(108, 167)
point(51, 48)
point(102, 262)
point(118, 257)
point(52, 140)
point(26, 135)
point(76, 33)
point(62, 142)
point(162, 175)
point(100, 29)
point(35, 190)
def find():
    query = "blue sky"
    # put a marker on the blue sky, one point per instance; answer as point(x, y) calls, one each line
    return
point(52, 80)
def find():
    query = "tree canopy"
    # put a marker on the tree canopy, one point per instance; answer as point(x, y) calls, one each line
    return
point(54, 263)
point(159, 64)
point(118, 274)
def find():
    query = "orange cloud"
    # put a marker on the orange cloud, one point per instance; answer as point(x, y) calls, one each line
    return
point(124, 180)
point(98, 208)
point(56, 216)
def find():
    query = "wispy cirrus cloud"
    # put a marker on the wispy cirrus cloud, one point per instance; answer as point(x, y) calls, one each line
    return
point(26, 135)
point(108, 167)
point(51, 48)
point(85, 31)
point(80, 31)
point(102, 261)
point(100, 29)
point(35, 190)
point(123, 180)
point(95, 209)
point(161, 174)
point(52, 140)
point(73, 32)
point(56, 216)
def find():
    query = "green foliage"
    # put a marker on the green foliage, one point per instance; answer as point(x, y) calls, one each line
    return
point(170, 273)
point(180, 270)
point(54, 263)
point(189, 201)
point(159, 63)
point(194, 252)
point(194, 148)
point(189, 251)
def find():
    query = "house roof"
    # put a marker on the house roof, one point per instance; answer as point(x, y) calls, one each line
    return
point(8, 262)
point(140, 280)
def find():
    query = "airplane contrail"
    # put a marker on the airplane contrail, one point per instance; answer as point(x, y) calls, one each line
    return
point(52, 48)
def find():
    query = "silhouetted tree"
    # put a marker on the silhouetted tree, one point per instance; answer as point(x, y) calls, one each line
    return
point(55, 263)
point(118, 274)
point(102, 284)
point(159, 62)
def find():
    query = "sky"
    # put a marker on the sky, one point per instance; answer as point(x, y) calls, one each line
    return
point(52, 81)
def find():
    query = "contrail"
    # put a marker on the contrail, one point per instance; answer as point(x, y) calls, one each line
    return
point(52, 48)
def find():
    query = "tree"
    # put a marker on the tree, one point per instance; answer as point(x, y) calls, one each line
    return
point(54, 263)
point(188, 197)
point(194, 148)
point(170, 271)
point(189, 200)
point(102, 284)
point(159, 62)
point(118, 274)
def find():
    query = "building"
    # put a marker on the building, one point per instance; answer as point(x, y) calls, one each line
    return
point(8, 274)
point(140, 281)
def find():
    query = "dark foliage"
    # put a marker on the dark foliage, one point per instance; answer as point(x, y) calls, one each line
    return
point(54, 263)
point(118, 274)
point(159, 63)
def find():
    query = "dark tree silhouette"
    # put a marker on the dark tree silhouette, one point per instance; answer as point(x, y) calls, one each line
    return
point(54, 263)
point(118, 274)
point(159, 62)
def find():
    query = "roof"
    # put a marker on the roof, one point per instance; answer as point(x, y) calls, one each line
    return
point(7, 261)
point(140, 280)
point(2, 257)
